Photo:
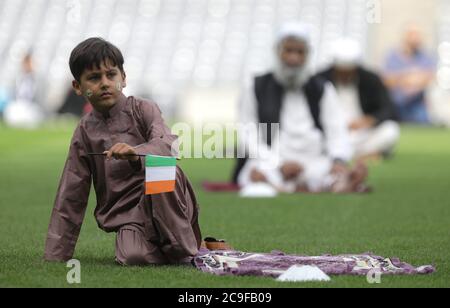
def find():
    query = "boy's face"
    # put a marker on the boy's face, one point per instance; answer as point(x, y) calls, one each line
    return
point(101, 85)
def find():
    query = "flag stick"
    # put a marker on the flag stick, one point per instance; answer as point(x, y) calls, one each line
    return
point(104, 154)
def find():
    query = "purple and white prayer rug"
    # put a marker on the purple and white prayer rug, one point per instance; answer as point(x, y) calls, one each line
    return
point(238, 263)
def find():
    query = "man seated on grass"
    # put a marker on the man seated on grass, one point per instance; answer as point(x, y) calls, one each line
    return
point(313, 148)
point(369, 111)
point(151, 229)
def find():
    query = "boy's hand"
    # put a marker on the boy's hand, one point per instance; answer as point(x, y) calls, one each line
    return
point(122, 151)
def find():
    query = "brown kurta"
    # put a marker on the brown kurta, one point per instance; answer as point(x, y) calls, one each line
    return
point(167, 221)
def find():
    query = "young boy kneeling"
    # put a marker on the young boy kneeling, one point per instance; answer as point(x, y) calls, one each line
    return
point(151, 229)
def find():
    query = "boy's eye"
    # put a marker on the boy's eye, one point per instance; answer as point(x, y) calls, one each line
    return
point(93, 78)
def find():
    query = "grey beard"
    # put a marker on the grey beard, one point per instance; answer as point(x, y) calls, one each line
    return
point(291, 78)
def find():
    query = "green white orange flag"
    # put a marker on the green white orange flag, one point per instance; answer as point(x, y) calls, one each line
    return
point(160, 174)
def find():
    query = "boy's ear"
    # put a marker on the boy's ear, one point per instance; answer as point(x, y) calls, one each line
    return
point(76, 87)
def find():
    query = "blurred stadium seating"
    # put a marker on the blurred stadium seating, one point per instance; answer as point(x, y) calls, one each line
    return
point(444, 21)
point(169, 45)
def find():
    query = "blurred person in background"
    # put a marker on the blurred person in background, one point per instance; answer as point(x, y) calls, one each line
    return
point(313, 151)
point(74, 105)
point(409, 72)
point(27, 82)
point(368, 108)
point(4, 100)
point(439, 98)
point(26, 109)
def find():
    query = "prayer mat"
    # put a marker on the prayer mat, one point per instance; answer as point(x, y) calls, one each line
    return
point(274, 264)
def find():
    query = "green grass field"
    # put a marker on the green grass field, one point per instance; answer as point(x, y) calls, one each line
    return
point(408, 216)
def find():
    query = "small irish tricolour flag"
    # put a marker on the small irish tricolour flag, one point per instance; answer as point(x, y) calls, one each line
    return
point(160, 174)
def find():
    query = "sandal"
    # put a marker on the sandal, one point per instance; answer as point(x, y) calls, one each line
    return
point(216, 244)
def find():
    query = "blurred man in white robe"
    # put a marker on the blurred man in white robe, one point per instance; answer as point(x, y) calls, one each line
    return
point(25, 111)
point(311, 150)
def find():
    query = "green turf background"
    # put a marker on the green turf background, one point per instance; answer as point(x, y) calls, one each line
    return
point(408, 216)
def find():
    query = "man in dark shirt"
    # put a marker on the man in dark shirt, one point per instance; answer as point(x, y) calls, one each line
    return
point(369, 111)
point(151, 229)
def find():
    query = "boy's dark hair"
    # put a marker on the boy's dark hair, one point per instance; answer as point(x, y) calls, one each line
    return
point(93, 52)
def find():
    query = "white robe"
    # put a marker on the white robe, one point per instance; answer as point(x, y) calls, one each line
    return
point(298, 141)
point(379, 139)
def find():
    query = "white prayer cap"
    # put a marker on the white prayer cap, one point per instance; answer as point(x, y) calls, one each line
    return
point(296, 30)
point(347, 53)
